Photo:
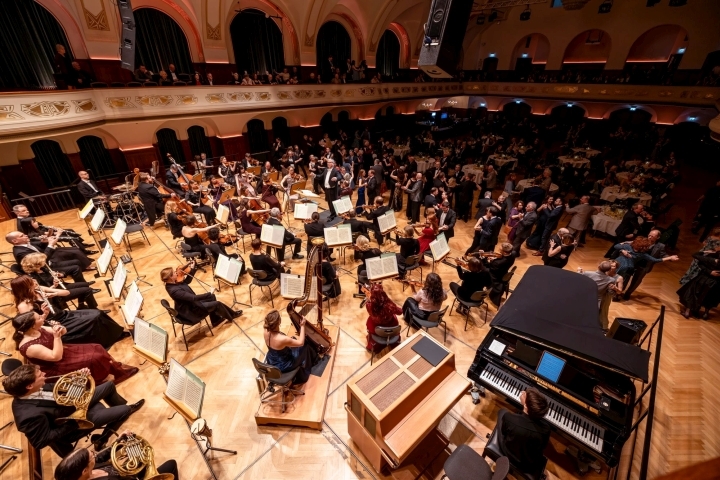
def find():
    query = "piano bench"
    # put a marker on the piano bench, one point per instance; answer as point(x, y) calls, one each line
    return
point(465, 464)
point(494, 451)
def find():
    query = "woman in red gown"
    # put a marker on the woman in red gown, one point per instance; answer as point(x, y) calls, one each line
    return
point(381, 312)
point(429, 233)
point(42, 346)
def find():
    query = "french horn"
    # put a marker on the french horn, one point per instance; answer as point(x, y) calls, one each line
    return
point(131, 453)
point(75, 389)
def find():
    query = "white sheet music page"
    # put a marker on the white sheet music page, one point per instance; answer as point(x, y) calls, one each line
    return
point(86, 210)
point(175, 389)
point(222, 214)
point(118, 281)
point(342, 205)
point(292, 286)
point(158, 342)
point(386, 221)
point(497, 347)
point(118, 231)
point(104, 261)
point(272, 235)
point(439, 247)
point(194, 392)
point(133, 303)
point(97, 219)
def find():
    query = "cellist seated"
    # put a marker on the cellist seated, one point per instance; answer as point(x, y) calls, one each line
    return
point(192, 233)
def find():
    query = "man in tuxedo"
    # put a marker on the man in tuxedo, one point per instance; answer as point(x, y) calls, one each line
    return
point(314, 228)
point(430, 175)
point(151, 198)
point(209, 80)
point(172, 73)
point(431, 199)
point(67, 260)
point(172, 180)
point(447, 220)
point(643, 267)
point(550, 224)
point(193, 307)
point(35, 410)
point(415, 192)
point(483, 204)
point(33, 229)
point(373, 184)
point(524, 227)
point(487, 230)
point(357, 226)
point(289, 239)
point(88, 188)
point(533, 193)
point(373, 215)
point(329, 70)
point(142, 74)
point(330, 182)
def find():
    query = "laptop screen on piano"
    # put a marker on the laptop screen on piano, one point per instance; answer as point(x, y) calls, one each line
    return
point(550, 366)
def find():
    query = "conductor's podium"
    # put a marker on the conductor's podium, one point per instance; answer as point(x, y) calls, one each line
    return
point(395, 405)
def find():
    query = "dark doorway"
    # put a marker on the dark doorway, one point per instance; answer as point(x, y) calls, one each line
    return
point(94, 156)
point(281, 130)
point(199, 142)
point(54, 166)
point(387, 60)
point(257, 136)
point(332, 39)
point(257, 43)
point(169, 143)
point(160, 41)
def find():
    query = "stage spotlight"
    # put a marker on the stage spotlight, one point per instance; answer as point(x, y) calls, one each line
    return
point(493, 16)
point(605, 6)
point(525, 15)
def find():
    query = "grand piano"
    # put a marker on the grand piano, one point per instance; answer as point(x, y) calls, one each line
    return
point(547, 336)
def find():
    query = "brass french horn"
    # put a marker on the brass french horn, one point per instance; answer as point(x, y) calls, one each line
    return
point(75, 389)
point(131, 453)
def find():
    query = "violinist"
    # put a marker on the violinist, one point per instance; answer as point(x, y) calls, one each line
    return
point(172, 179)
point(474, 276)
point(425, 301)
point(172, 215)
point(268, 192)
point(409, 246)
point(217, 244)
point(356, 226)
point(194, 197)
point(192, 307)
point(247, 223)
point(262, 261)
point(498, 267)
point(373, 215)
point(362, 247)
point(289, 238)
point(216, 191)
point(288, 181)
point(226, 170)
point(151, 198)
point(198, 166)
point(313, 228)
point(190, 233)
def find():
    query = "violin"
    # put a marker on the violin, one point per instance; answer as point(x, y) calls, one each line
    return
point(181, 272)
point(258, 218)
point(412, 283)
point(484, 255)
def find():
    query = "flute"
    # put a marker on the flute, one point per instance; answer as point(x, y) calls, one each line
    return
point(56, 278)
point(46, 301)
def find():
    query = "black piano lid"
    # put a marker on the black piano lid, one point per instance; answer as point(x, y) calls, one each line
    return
point(560, 307)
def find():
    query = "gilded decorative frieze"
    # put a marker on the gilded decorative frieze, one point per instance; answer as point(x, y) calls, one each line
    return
point(85, 105)
point(215, 98)
point(385, 90)
point(303, 94)
point(285, 95)
point(96, 21)
point(565, 89)
point(6, 113)
point(350, 92)
point(154, 100)
point(367, 91)
point(396, 90)
point(335, 93)
point(119, 102)
point(213, 33)
point(415, 89)
point(240, 96)
point(263, 96)
point(186, 100)
point(320, 93)
point(46, 108)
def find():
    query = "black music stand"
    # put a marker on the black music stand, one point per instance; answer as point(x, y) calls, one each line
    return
point(138, 278)
point(7, 447)
point(232, 287)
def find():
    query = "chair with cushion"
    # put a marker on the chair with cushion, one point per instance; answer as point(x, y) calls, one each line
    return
point(176, 319)
point(385, 336)
point(134, 229)
point(242, 233)
point(179, 84)
point(187, 253)
point(477, 299)
point(117, 85)
point(466, 464)
point(150, 84)
point(98, 85)
point(328, 288)
point(275, 382)
point(435, 319)
point(412, 263)
point(493, 450)
point(183, 77)
point(259, 279)
point(134, 84)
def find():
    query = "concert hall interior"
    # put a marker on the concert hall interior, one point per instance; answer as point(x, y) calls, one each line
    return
point(388, 239)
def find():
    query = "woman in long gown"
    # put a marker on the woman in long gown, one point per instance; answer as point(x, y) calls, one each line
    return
point(711, 244)
point(82, 326)
point(381, 313)
point(516, 214)
point(428, 233)
point(246, 221)
point(703, 290)
point(268, 193)
point(43, 346)
point(533, 242)
point(361, 182)
point(288, 353)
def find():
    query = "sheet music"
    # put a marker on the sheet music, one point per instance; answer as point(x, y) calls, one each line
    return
point(292, 286)
point(185, 388)
point(386, 221)
point(340, 235)
point(382, 267)
point(228, 269)
point(176, 381)
point(222, 214)
point(194, 392)
point(304, 211)
point(151, 338)
point(342, 205)
point(439, 247)
point(497, 347)
point(308, 193)
point(133, 303)
point(86, 210)
point(118, 281)
point(272, 235)
point(118, 231)
point(104, 261)
point(97, 219)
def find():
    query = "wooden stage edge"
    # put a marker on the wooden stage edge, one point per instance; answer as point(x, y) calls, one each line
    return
point(309, 409)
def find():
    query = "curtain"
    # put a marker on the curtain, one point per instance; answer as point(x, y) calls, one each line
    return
point(28, 35)
point(169, 143)
point(257, 137)
point(199, 142)
point(388, 54)
point(332, 39)
point(94, 156)
point(159, 41)
point(280, 130)
point(257, 43)
point(54, 165)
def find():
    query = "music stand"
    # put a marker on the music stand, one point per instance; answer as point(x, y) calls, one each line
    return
point(7, 447)
point(220, 280)
point(138, 278)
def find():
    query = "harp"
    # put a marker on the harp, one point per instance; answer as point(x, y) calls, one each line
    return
point(310, 304)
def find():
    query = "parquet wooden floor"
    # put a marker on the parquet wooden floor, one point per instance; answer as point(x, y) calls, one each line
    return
point(686, 416)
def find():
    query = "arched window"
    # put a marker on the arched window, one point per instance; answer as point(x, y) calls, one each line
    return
point(159, 41)
point(517, 111)
point(257, 43)
point(388, 54)
point(94, 156)
point(54, 166)
point(257, 137)
point(28, 34)
point(199, 142)
point(280, 130)
point(332, 40)
point(168, 142)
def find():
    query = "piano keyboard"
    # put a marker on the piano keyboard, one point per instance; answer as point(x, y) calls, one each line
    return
point(577, 426)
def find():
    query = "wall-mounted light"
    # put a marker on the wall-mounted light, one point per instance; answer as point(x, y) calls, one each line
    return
point(692, 119)
point(492, 55)
point(681, 50)
point(633, 108)
point(524, 55)
point(518, 101)
point(569, 104)
point(482, 104)
point(452, 102)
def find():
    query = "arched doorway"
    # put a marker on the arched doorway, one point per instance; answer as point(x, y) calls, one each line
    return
point(656, 54)
point(159, 41)
point(281, 130)
point(630, 117)
point(530, 54)
point(30, 34)
point(199, 142)
point(257, 137)
point(516, 111)
point(387, 60)
point(332, 40)
point(257, 43)
point(95, 156)
point(568, 114)
point(54, 166)
point(167, 142)
point(588, 51)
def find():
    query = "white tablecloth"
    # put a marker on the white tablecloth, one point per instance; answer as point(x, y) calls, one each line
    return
point(474, 169)
point(575, 162)
point(605, 223)
point(623, 176)
point(499, 161)
point(588, 152)
point(632, 163)
point(422, 165)
point(610, 194)
point(525, 182)
point(401, 151)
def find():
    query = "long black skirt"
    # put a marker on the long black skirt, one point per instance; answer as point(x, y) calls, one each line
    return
point(701, 291)
point(89, 326)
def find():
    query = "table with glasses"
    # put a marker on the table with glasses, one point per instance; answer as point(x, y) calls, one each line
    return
point(589, 152)
point(624, 176)
point(400, 150)
point(422, 163)
point(522, 184)
point(577, 162)
point(612, 194)
point(473, 169)
point(608, 220)
point(500, 160)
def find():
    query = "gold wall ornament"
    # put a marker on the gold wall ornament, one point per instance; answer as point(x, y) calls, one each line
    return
point(46, 108)
point(213, 33)
point(350, 92)
point(6, 113)
point(320, 93)
point(97, 21)
point(215, 98)
point(385, 90)
point(240, 96)
point(309, 40)
point(119, 102)
point(283, 95)
point(186, 100)
point(85, 105)
point(263, 96)
point(336, 93)
point(367, 91)
point(396, 90)
point(303, 94)
point(566, 89)
point(154, 100)
point(415, 89)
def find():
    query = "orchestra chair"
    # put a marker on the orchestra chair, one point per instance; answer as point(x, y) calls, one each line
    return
point(385, 336)
point(275, 382)
point(117, 84)
point(477, 299)
point(344, 248)
point(98, 85)
point(434, 320)
point(134, 84)
point(187, 253)
point(466, 464)
point(134, 229)
point(412, 263)
point(177, 319)
point(506, 281)
point(259, 279)
point(494, 451)
point(327, 288)
point(242, 233)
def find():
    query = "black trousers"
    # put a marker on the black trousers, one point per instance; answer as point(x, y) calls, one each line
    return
point(207, 212)
point(69, 269)
point(415, 211)
point(72, 254)
point(297, 245)
point(153, 210)
point(82, 292)
point(637, 278)
point(218, 311)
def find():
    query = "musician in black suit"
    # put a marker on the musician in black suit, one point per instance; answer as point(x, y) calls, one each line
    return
point(35, 409)
point(498, 268)
point(151, 198)
point(172, 180)
point(378, 210)
point(88, 188)
point(357, 226)
point(190, 306)
point(289, 238)
point(431, 199)
point(447, 220)
point(264, 262)
point(30, 226)
point(67, 260)
point(330, 182)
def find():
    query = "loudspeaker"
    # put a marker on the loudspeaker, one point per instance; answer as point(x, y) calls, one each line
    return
point(444, 34)
point(627, 330)
point(127, 43)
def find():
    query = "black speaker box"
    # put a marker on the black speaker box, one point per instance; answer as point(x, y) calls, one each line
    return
point(127, 43)
point(444, 34)
point(627, 330)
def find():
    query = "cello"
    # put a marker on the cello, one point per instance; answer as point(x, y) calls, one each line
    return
point(184, 181)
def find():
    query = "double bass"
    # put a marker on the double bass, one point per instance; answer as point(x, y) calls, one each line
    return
point(154, 170)
point(184, 181)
